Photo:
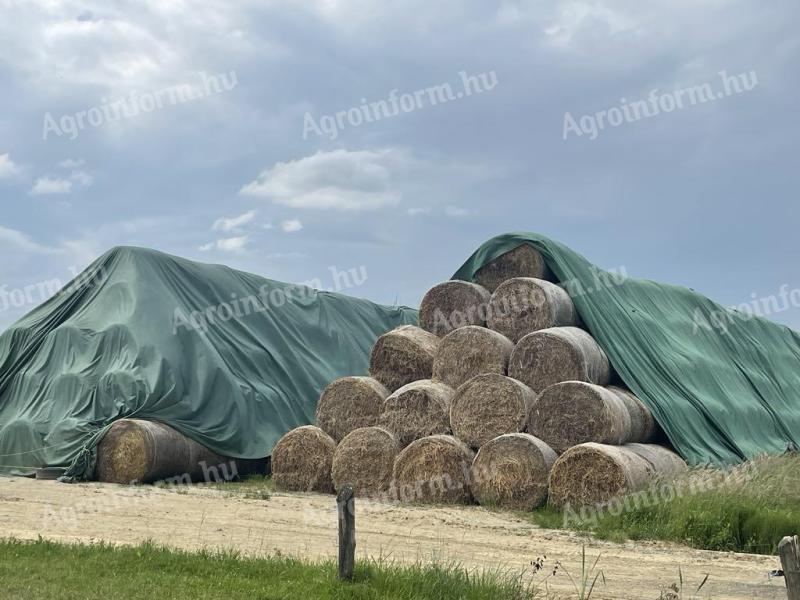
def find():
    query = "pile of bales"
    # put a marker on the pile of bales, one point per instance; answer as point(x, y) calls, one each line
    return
point(499, 397)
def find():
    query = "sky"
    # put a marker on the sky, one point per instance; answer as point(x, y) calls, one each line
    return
point(301, 139)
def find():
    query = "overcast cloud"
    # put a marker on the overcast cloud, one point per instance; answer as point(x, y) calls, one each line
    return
point(195, 141)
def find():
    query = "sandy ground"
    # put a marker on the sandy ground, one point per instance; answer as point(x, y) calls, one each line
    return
point(305, 525)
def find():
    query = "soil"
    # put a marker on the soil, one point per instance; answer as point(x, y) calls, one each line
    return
point(304, 525)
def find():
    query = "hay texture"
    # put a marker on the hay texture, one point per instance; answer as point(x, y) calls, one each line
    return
point(511, 471)
point(663, 461)
point(489, 405)
point(302, 459)
point(365, 459)
point(643, 425)
point(591, 474)
point(350, 403)
point(471, 351)
point(574, 412)
point(433, 470)
point(523, 305)
point(558, 354)
point(522, 261)
point(134, 451)
point(418, 410)
point(403, 355)
point(453, 304)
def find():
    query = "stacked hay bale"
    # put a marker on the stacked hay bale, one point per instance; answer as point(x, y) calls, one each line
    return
point(480, 401)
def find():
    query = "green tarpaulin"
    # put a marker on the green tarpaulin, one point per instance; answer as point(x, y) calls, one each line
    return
point(230, 359)
point(724, 385)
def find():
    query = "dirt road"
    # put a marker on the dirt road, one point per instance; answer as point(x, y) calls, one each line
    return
point(305, 525)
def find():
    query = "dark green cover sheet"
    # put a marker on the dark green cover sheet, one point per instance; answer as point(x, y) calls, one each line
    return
point(227, 358)
point(724, 386)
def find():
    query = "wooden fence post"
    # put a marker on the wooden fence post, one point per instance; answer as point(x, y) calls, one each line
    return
point(346, 505)
point(789, 550)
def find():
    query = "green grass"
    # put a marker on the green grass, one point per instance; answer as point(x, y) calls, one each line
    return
point(747, 509)
point(43, 570)
point(254, 487)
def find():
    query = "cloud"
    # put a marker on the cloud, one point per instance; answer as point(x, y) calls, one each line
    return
point(71, 163)
point(457, 211)
point(82, 178)
point(21, 241)
point(578, 18)
point(60, 185)
point(413, 212)
point(291, 225)
point(284, 255)
point(47, 185)
point(336, 180)
point(232, 244)
point(7, 167)
point(233, 223)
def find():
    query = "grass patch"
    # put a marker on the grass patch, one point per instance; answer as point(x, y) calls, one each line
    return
point(42, 570)
point(746, 509)
point(254, 487)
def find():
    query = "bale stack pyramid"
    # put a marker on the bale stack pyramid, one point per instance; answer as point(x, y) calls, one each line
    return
point(499, 397)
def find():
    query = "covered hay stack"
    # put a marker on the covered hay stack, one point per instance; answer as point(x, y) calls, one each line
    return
point(574, 412)
point(590, 474)
point(365, 459)
point(511, 471)
point(523, 305)
point(453, 304)
point(434, 470)
point(350, 403)
point(470, 351)
point(558, 354)
point(137, 451)
point(417, 410)
point(522, 261)
point(302, 460)
point(489, 405)
point(403, 355)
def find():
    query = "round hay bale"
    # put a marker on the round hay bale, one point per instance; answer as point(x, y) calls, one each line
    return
point(213, 463)
point(350, 403)
point(590, 474)
point(365, 459)
point(511, 471)
point(523, 305)
point(522, 261)
point(435, 470)
point(453, 304)
point(489, 405)
point(403, 355)
point(137, 451)
point(302, 459)
point(558, 354)
point(663, 461)
point(470, 351)
point(643, 425)
point(418, 410)
point(574, 412)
